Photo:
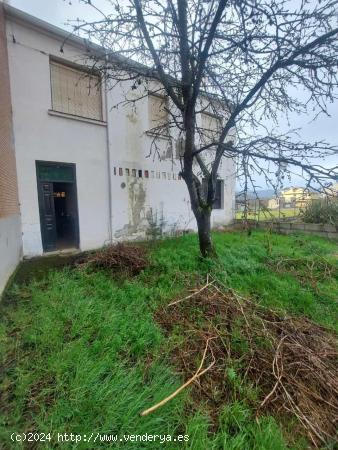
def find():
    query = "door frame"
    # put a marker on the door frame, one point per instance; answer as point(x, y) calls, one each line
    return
point(38, 164)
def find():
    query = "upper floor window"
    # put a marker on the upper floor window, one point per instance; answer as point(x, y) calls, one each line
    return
point(76, 92)
point(211, 125)
point(158, 113)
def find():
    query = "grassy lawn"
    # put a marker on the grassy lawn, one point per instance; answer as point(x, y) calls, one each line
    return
point(82, 353)
point(270, 214)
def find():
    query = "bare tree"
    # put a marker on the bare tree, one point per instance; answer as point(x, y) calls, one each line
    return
point(250, 58)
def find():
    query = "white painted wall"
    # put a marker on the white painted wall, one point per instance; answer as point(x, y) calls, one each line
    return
point(130, 147)
point(41, 136)
point(10, 247)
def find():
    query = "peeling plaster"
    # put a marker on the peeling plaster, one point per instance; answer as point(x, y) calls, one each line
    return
point(136, 209)
point(132, 117)
point(136, 202)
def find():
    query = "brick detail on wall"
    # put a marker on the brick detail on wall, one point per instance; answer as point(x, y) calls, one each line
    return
point(9, 203)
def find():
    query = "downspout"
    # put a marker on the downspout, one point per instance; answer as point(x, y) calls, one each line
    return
point(110, 222)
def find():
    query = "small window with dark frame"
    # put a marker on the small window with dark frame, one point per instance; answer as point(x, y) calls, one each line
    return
point(76, 92)
point(218, 202)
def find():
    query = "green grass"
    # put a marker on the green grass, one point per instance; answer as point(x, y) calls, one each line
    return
point(81, 351)
point(264, 215)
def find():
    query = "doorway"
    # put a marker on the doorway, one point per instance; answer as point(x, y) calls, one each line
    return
point(57, 205)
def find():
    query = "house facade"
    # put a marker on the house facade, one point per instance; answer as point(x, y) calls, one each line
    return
point(81, 161)
point(297, 197)
point(331, 191)
point(294, 197)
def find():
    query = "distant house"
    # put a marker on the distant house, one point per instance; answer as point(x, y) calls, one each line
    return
point(296, 197)
point(331, 190)
point(253, 200)
point(273, 203)
point(293, 197)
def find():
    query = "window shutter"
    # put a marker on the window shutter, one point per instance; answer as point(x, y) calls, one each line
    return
point(210, 122)
point(75, 92)
point(158, 111)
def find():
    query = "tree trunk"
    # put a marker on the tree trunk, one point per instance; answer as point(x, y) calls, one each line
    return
point(204, 234)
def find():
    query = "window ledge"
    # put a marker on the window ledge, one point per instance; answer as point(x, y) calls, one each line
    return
point(158, 136)
point(51, 112)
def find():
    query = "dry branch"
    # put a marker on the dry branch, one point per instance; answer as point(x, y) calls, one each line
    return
point(197, 374)
point(130, 259)
point(292, 360)
point(196, 292)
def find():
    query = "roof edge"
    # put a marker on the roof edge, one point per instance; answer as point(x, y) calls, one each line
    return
point(18, 14)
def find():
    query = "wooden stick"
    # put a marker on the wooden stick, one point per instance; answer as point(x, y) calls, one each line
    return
point(198, 374)
point(278, 376)
point(191, 295)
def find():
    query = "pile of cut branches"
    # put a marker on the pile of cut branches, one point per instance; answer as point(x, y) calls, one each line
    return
point(291, 361)
point(129, 259)
point(311, 269)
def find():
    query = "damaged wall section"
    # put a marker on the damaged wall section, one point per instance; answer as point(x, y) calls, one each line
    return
point(148, 193)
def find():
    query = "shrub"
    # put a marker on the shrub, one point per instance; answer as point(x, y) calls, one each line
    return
point(322, 211)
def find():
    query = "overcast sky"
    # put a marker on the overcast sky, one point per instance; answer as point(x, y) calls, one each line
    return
point(58, 12)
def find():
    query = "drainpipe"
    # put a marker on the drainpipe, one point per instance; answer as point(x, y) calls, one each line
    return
point(110, 224)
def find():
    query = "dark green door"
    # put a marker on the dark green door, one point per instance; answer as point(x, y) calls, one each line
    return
point(57, 205)
point(47, 216)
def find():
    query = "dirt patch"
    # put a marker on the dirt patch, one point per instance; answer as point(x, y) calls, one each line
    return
point(41, 392)
point(126, 258)
point(39, 267)
point(280, 365)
